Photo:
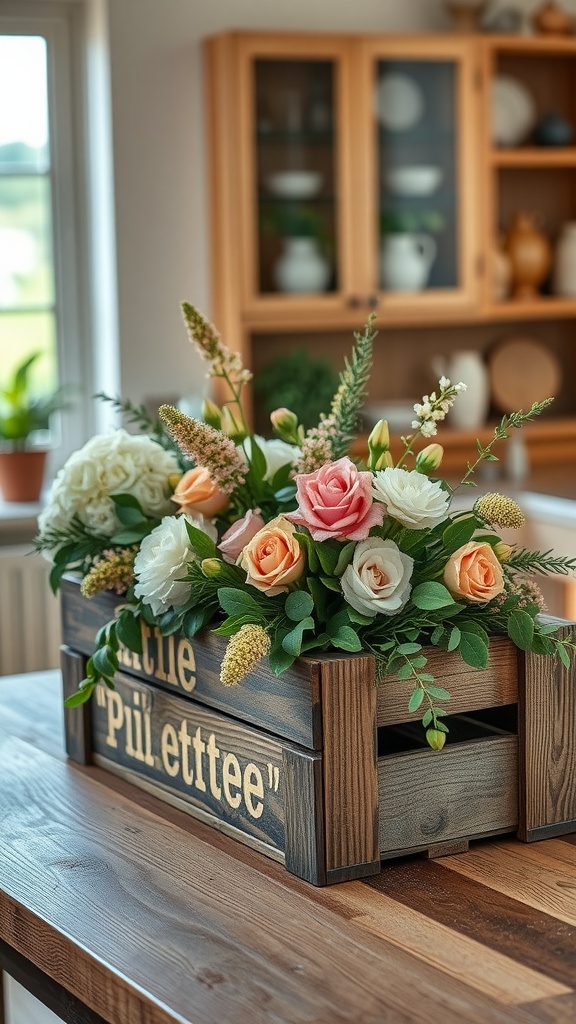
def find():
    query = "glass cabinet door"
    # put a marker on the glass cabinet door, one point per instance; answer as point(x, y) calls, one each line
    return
point(424, 241)
point(296, 215)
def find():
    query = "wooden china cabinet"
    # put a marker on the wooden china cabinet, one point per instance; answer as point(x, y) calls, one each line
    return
point(371, 160)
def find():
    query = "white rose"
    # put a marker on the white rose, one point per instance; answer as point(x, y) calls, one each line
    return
point(277, 453)
point(378, 578)
point(161, 562)
point(410, 497)
point(115, 463)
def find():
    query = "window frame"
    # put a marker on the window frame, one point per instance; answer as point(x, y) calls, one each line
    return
point(60, 24)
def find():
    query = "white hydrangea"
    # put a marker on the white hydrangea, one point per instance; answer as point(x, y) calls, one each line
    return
point(161, 562)
point(115, 463)
point(410, 497)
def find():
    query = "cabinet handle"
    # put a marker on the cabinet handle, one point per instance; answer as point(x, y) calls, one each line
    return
point(354, 301)
point(372, 301)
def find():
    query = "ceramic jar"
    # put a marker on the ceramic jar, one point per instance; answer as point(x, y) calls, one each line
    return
point(301, 268)
point(471, 408)
point(501, 272)
point(405, 261)
point(552, 20)
point(565, 261)
point(530, 255)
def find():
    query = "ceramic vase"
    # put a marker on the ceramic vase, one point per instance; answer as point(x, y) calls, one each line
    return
point(301, 268)
point(471, 408)
point(405, 261)
point(565, 261)
point(530, 255)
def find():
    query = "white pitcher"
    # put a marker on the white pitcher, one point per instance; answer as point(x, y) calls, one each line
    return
point(405, 261)
point(471, 406)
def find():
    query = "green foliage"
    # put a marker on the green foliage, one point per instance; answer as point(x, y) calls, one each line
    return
point(298, 382)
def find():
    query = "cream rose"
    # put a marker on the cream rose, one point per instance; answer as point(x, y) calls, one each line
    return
point(377, 581)
point(273, 558)
point(161, 562)
point(410, 497)
point(197, 492)
point(474, 573)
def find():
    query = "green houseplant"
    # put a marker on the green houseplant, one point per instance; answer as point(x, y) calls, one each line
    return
point(22, 414)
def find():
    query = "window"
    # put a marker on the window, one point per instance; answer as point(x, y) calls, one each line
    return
point(42, 269)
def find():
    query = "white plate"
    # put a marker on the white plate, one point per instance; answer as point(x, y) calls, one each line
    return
point(399, 101)
point(513, 112)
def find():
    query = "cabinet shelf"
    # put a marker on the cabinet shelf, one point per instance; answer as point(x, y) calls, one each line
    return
point(545, 307)
point(546, 158)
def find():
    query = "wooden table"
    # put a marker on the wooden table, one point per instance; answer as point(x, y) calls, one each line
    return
point(116, 907)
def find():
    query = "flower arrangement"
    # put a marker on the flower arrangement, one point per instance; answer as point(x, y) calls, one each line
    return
point(288, 546)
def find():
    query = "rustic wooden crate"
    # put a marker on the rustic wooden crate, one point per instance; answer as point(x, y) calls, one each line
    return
point(320, 768)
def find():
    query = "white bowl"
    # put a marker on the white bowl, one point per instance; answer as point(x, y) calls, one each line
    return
point(294, 184)
point(398, 414)
point(413, 181)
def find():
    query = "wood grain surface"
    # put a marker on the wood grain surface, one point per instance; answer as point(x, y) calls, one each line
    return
point(148, 916)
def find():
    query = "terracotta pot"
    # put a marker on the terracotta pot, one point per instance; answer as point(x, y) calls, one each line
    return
point(530, 256)
point(22, 475)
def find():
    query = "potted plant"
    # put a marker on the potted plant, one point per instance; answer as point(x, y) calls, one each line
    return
point(22, 415)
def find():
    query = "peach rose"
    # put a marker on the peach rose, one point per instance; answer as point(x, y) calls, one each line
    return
point(273, 558)
point(474, 573)
point(197, 492)
point(237, 536)
point(336, 501)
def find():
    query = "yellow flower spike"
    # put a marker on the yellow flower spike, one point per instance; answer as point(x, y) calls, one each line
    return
point(503, 551)
point(499, 510)
point(211, 413)
point(435, 738)
point(243, 653)
point(429, 459)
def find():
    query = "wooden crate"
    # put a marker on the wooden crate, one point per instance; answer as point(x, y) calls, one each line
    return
point(320, 768)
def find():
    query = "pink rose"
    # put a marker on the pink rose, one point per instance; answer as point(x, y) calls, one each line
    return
point(237, 536)
point(473, 572)
point(336, 501)
point(273, 558)
point(197, 492)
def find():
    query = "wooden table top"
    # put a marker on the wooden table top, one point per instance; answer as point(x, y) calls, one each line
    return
point(150, 916)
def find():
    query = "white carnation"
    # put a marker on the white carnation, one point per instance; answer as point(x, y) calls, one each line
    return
point(410, 497)
point(116, 463)
point(377, 580)
point(161, 562)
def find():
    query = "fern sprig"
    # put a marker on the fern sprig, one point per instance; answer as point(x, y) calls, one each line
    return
point(525, 561)
point(349, 398)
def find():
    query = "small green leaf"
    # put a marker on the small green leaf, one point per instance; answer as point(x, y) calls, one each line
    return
point(431, 595)
point(405, 671)
point(299, 604)
point(345, 557)
point(438, 692)
point(80, 696)
point(459, 533)
point(292, 642)
point(416, 699)
point(346, 639)
point(521, 629)
point(473, 650)
point(202, 545)
point(427, 718)
point(128, 630)
point(237, 602)
point(409, 648)
point(105, 662)
point(328, 556)
point(564, 656)
point(454, 638)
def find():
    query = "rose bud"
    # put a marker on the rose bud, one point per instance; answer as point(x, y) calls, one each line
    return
point(429, 459)
point(285, 424)
point(211, 413)
point(435, 738)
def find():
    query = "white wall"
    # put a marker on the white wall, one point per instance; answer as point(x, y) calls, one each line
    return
point(159, 164)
